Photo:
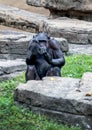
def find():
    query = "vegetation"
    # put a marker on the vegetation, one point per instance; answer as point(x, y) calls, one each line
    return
point(76, 65)
point(15, 117)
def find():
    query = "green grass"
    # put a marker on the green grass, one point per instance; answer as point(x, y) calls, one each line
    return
point(16, 117)
point(76, 65)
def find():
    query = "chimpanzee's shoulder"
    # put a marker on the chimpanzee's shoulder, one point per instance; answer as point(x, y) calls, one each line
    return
point(54, 44)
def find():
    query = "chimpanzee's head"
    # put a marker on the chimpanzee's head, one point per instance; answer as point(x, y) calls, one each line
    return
point(42, 41)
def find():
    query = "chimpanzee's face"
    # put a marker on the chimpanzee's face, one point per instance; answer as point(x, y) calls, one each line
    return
point(43, 45)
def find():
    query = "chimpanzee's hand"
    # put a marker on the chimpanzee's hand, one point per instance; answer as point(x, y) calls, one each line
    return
point(42, 50)
point(48, 57)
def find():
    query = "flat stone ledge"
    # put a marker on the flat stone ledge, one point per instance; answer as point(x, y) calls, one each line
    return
point(11, 68)
point(75, 31)
point(60, 98)
point(80, 49)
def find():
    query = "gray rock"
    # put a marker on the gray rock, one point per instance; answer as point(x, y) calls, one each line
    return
point(75, 31)
point(21, 19)
point(14, 44)
point(11, 75)
point(81, 5)
point(64, 45)
point(80, 49)
point(81, 9)
point(11, 68)
point(66, 100)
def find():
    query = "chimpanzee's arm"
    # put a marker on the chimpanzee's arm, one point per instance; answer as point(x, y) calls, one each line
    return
point(57, 58)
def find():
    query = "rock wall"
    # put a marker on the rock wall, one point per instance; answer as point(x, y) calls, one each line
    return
point(81, 9)
point(66, 100)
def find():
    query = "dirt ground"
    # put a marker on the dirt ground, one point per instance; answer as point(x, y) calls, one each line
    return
point(22, 5)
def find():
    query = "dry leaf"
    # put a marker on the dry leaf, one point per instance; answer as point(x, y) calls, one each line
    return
point(51, 78)
point(88, 94)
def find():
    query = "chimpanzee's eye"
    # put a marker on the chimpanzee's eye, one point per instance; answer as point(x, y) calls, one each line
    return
point(42, 41)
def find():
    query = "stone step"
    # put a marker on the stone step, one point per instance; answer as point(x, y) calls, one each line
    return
point(14, 44)
point(11, 68)
point(66, 100)
point(81, 9)
point(75, 31)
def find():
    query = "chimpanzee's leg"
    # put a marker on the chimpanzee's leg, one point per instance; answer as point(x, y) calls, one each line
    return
point(31, 73)
point(54, 71)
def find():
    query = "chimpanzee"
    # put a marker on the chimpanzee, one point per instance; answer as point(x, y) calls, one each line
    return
point(44, 57)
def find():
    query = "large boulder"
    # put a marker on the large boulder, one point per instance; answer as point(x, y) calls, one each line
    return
point(81, 9)
point(74, 30)
point(14, 44)
point(66, 100)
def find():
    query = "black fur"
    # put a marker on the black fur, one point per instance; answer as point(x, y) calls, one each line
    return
point(44, 58)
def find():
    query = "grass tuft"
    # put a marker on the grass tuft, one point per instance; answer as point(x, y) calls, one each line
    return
point(76, 65)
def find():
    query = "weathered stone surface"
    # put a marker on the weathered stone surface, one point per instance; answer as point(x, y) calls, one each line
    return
point(64, 45)
point(80, 49)
point(21, 19)
point(11, 68)
point(75, 31)
point(14, 44)
point(63, 99)
point(9, 76)
point(81, 9)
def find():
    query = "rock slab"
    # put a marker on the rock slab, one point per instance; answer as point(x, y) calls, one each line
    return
point(66, 100)
point(21, 19)
point(75, 31)
point(11, 68)
point(81, 9)
point(14, 44)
